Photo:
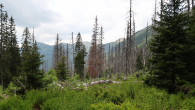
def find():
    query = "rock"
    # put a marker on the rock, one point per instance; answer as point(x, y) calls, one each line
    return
point(85, 84)
point(92, 83)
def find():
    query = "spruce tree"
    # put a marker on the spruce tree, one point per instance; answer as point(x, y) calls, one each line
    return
point(4, 57)
point(168, 45)
point(79, 60)
point(14, 50)
point(139, 62)
point(79, 43)
point(30, 76)
point(62, 71)
point(189, 58)
point(35, 78)
point(9, 50)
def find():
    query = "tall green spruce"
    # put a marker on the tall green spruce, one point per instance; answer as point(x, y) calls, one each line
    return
point(80, 57)
point(139, 62)
point(62, 71)
point(13, 51)
point(168, 46)
point(31, 75)
point(9, 50)
point(190, 50)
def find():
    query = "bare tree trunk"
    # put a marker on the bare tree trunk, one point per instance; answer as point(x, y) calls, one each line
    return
point(161, 6)
point(1, 51)
point(56, 52)
point(130, 41)
point(127, 51)
point(155, 12)
point(109, 61)
point(105, 62)
point(119, 57)
point(124, 49)
point(147, 35)
point(72, 55)
point(101, 52)
point(134, 44)
point(95, 45)
point(67, 57)
point(145, 48)
point(188, 6)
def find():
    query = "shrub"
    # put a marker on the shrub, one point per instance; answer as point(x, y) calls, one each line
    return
point(16, 103)
point(49, 77)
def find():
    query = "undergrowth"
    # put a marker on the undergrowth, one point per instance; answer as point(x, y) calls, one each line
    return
point(132, 94)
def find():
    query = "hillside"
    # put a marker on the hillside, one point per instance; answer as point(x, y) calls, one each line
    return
point(141, 36)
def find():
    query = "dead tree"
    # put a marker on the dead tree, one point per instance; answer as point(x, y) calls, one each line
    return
point(161, 6)
point(105, 61)
point(145, 49)
point(155, 10)
point(92, 59)
point(109, 61)
point(127, 52)
point(134, 48)
point(119, 58)
point(72, 67)
point(56, 52)
point(67, 56)
point(100, 54)
point(123, 57)
point(129, 45)
point(130, 40)
point(188, 6)
point(115, 59)
point(112, 57)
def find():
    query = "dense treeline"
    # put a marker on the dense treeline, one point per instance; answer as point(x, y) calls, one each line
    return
point(9, 50)
point(20, 66)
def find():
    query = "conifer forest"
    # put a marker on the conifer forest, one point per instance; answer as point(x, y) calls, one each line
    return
point(152, 68)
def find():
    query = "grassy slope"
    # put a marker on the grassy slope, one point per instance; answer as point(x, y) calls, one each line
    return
point(128, 95)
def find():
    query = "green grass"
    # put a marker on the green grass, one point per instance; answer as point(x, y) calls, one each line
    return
point(132, 94)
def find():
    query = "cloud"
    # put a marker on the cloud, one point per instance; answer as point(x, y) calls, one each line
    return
point(30, 12)
point(50, 17)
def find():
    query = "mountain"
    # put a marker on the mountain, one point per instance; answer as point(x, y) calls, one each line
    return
point(47, 50)
point(141, 36)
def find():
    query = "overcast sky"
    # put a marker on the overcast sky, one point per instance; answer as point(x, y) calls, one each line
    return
point(50, 17)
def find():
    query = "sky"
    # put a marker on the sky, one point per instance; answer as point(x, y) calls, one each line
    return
point(49, 17)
